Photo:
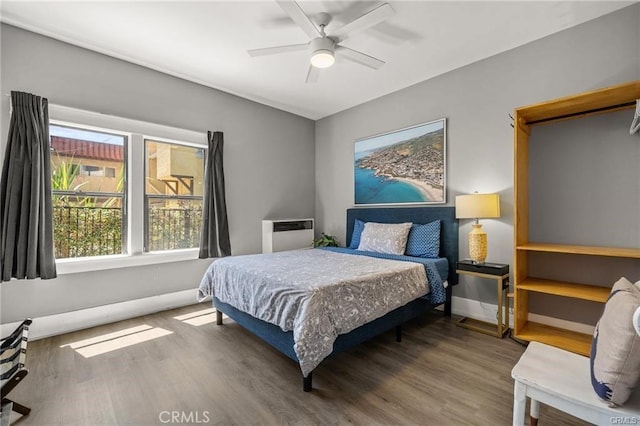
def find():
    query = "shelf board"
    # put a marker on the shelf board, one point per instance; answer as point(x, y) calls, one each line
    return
point(561, 288)
point(587, 250)
point(564, 339)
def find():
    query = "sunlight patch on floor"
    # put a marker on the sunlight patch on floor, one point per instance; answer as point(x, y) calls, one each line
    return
point(197, 318)
point(201, 320)
point(117, 340)
point(109, 336)
point(195, 314)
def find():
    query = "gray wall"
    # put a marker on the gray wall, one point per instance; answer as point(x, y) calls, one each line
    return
point(584, 182)
point(269, 160)
point(262, 181)
point(476, 100)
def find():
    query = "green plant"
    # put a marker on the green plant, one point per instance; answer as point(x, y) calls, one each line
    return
point(63, 176)
point(326, 241)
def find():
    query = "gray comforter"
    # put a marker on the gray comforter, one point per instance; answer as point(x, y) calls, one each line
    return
point(316, 293)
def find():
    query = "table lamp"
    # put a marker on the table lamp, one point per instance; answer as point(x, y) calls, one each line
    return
point(477, 206)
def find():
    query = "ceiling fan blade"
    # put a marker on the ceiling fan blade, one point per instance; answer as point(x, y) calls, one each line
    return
point(312, 74)
point(367, 20)
point(277, 49)
point(296, 13)
point(359, 57)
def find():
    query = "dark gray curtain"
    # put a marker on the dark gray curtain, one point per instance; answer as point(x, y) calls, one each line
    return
point(214, 236)
point(26, 211)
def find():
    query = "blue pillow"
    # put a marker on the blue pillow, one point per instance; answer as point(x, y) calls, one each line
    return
point(358, 227)
point(424, 240)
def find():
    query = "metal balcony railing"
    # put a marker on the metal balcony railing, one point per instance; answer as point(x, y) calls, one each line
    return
point(81, 231)
point(173, 228)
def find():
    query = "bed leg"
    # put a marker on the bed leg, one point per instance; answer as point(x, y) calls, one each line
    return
point(306, 382)
point(398, 333)
point(218, 317)
point(447, 303)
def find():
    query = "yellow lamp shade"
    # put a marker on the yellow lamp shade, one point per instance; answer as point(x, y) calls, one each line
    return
point(477, 206)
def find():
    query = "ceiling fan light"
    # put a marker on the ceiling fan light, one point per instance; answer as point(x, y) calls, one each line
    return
point(322, 58)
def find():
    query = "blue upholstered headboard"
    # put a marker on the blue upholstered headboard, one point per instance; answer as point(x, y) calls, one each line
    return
point(446, 215)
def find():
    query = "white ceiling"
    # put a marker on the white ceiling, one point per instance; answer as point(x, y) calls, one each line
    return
point(206, 41)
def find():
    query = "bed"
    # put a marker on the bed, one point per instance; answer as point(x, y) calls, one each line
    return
point(314, 303)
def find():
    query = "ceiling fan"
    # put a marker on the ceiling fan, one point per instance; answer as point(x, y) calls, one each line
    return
point(323, 47)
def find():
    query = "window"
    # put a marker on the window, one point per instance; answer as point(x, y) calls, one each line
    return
point(124, 197)
point(86, 170)
point(173, 195)
point(88, 204)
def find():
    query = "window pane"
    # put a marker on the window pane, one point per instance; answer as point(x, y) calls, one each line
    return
point(173, 224)
point(88, 182)
point(81, 230)
point(174, 185)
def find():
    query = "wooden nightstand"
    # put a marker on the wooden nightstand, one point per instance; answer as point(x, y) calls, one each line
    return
point(494, 271)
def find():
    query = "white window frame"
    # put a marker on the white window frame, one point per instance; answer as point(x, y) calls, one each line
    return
point(173, 142)
point(137, 132)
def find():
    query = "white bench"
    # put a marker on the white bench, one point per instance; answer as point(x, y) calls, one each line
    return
point(562, 380)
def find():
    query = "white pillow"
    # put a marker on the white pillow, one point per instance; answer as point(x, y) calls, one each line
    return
point(388, 238)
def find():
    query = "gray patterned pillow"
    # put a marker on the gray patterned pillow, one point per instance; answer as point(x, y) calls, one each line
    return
point(385, 237)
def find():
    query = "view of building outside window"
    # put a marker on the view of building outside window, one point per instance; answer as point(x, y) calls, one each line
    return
point(173, 195)
point(88, 182)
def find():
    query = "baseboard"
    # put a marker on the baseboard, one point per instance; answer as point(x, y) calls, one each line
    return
point(475, 309)
point(53, 325)
point(487, 312)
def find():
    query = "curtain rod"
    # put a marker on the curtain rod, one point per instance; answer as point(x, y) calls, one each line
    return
point(145, 122)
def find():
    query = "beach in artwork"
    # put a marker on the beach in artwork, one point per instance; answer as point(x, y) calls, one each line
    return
point(429, 192)
point(401, 167)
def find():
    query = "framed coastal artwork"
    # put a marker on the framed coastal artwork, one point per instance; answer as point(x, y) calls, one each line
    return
point(406, 166)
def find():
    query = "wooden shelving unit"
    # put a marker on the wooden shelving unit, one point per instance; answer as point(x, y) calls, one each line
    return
point(569, 340)
point(586, 250)
point(566, 289)
point(591, 103)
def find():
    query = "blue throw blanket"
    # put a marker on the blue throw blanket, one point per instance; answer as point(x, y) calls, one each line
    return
point(437, 269)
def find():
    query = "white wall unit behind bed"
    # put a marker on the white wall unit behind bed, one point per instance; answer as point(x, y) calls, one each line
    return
point(286, 234)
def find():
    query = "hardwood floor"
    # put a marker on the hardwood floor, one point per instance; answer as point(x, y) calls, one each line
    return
point(439, 375)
